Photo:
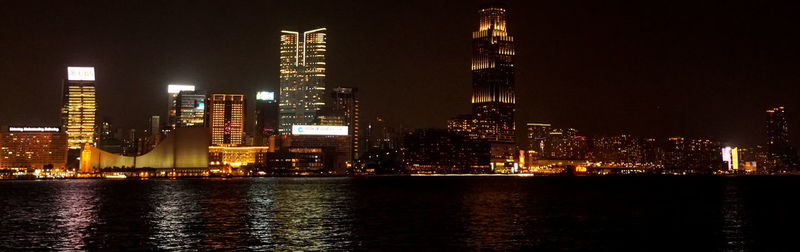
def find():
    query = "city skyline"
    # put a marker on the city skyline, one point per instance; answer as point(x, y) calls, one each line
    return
point(710, 110)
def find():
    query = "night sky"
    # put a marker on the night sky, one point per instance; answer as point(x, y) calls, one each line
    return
point(649, 68)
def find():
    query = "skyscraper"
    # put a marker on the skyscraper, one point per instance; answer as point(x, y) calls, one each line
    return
point(302, 85)
point(345, 104)
point(782, 155)
point(267, 113)
point(79, 106)
point(493, 96)
point(226, 117)
point(190, 109)
point(172, 102)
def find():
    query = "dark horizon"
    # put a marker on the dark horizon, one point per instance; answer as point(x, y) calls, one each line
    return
point(648, 69)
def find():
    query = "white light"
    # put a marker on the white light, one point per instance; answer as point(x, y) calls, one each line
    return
point(33, 129)
point(319, 130)
point(177, 88)
point(265, 96)
point(80, 73)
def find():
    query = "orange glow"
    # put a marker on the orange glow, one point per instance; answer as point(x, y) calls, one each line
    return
point(580, 169)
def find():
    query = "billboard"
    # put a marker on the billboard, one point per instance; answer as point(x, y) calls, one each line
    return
point(33, 129)
point(319, 130)
point(265, 96)
point(177, 88)
point(80, 73)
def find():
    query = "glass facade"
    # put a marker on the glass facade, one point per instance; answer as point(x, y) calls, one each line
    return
point(302, 84)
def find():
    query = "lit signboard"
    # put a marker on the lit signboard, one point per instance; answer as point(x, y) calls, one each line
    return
point(265, 96)
point(177, 88)
point(319, 130)
point(80, 73)
point(33, 129)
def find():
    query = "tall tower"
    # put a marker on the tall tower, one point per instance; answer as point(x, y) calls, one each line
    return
point(782, 155)
point(302, 90)
point(345, 104)
point(226, 119)
point(172, 102)
point(493, 96)
point(267, 114)
point(79, 106)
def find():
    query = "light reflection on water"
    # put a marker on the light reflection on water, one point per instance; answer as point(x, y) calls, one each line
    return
point(400, 213)
point(76, 212)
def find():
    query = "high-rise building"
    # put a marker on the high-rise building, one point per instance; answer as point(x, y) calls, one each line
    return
point(493, 97)
point(782, 155)
point(172, 102)
point(267, 113)
point(226, 119)
point(345, 105)
point(190, 109)
point(79, 106)
point(303, 80)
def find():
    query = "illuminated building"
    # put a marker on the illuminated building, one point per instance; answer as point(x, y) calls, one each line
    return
point(620, 150)
point(696, 155)
point(190, 110)
point(537, 135)
point(31, 148)
point(334, 142)
point(297, 161)
point(79, 106)
point(782, 155)
point(464, 124)
point(440, 151)
point(345, 105)
point(237, 156)
point(493, 97)
point(302, 74)
point(267, 113)
point(226, 117)
point(172, 113)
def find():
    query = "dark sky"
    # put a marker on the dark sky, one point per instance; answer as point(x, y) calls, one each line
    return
point(650, 68)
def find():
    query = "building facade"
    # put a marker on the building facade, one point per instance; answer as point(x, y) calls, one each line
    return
point(31, 148)
point(782, 155)
point(493, 95)
point(190, 110)
point(345, 105)
point(226, 119)
point(267, 113)
point(79, 109)
point(172, 102)
point(302, 77)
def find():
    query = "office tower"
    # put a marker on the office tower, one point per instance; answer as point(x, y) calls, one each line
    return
point(267, 113)
point(79, 106)
point(302, 85)
point(493, 96)
point(172, 102)
point(345, 105)
point(226, 119)
point(190, 109)
point(782, 155)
